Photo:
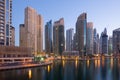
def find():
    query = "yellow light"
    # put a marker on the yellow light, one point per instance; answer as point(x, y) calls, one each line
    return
point(111, 61)
point(88, 63)
point(76, 63)
point(98, 63)
point(95, 63)
point(30, 74)
point(48, 68)
point(63, 63)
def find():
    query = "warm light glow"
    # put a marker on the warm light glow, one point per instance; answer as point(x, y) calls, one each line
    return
point(76, 63)
point(30, 74)
point(103, 61)
point(88, 63)
point(111, 62)
point(96, 63)
point(63, 63)
point(48, 68)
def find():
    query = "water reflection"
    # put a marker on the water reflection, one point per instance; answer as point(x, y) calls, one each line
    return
point(99, 69)
point(29, 73)
point(63, 63)
point(76, 63)
point(48, 68)
point(88, 63)
point(111, 62)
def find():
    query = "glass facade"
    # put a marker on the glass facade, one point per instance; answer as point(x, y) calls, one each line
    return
point(58, 37)
point(81, 26)
point(48, 37)
point(85, 26)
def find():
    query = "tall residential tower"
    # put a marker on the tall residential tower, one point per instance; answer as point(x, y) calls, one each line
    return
point(31, 32)
point(81, 26)
point(6, 28)
point(58, 37)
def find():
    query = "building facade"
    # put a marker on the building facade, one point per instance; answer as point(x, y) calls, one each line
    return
point(58, 37)
point(104, 42)
point(69, 39)
point(12, 34)
point(89, 38)
point(6, 23)
point(96, 42)
point(116, 41)
point(31, 33)
point(75, 44)
point(48, 37)
point(81, 26)
point(110, 45)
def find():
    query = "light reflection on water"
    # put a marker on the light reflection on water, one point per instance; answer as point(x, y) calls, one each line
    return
point(99, 69)
point(30, 74)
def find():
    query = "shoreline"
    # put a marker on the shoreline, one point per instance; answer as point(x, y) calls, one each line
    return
point(2, 68)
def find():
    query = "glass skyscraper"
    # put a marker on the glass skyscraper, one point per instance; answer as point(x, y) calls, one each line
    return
point(58, 37)
point(89, 48)
point(69, 39)
point(81, 26)
point(48, 37)
point(104, 42)
point(116, 41)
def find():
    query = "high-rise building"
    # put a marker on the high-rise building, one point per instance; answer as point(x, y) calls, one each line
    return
point(6, 22)
point(31, 33)
point(116, 41)
point(104, 42)
point(69, 39)
point(58, 37)
point(22, 35)
point(110, 45)
point(89, 38)
point(96, 42)
point(75, 42)
point(12, 36)
point(48, 37)
point(81, 26)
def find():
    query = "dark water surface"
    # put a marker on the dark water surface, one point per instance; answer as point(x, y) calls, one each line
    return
point(104, 69)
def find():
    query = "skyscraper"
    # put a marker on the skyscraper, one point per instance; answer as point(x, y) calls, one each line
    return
point(69, 39)
point(116, 41)
point(6, 23)
point(31, 33)
point(81, 25)
point(22, 35)
point(104, 42)
point(110, 45)
point(58, 37)
point(98, 44)
point(12, 34)
point(48, 37)
point(95, 42)
point(89, 43)
point(75, 44)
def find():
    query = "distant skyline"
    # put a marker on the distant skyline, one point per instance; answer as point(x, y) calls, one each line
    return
point(103, 13)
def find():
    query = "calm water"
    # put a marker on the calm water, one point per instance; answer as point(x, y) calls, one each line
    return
point(105, 69)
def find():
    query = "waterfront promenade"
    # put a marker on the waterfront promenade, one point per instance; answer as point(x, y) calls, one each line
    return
point(23, 65)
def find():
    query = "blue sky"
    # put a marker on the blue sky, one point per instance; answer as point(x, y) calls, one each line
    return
point(103, 13)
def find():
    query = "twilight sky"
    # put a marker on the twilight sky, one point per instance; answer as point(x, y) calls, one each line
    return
point(103, 13)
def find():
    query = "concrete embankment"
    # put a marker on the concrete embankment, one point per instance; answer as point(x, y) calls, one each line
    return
point(8, 67)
